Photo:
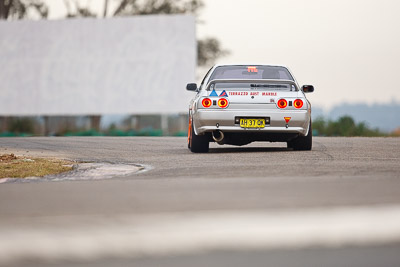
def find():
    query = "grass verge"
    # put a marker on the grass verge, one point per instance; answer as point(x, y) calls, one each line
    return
point(12, 166)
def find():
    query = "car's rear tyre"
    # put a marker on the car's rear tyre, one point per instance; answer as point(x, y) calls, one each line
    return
point(189, 131)
point(197, 143)
point(302, 142)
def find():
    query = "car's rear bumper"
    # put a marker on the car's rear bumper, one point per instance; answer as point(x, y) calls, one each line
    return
point(224, 120)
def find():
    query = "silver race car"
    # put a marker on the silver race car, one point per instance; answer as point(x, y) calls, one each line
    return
point(240, 104)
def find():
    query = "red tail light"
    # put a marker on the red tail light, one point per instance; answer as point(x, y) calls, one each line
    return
point(282, 103)
point(298, 103)
point(222, 102)
point(206, 102)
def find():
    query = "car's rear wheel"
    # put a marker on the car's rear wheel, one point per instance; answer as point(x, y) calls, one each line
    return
point(197, 143)
point(302, 142)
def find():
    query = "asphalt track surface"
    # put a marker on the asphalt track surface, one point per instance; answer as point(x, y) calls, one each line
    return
point(357, 177)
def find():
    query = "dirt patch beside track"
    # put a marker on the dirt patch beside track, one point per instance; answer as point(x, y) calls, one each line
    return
point(12, 166)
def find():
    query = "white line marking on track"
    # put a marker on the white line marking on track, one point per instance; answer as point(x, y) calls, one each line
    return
point(90, 238)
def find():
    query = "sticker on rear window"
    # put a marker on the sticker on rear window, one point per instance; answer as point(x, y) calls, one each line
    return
point(252, 69)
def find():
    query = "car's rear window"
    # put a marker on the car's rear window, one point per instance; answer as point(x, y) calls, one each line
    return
point(251, 72)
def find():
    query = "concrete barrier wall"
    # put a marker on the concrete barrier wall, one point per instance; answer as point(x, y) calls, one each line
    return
point(136, 65)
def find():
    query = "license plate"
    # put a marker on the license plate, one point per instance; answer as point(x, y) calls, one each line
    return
point(252, 123)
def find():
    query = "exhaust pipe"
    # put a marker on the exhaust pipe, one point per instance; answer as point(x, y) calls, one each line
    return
point(218, 136)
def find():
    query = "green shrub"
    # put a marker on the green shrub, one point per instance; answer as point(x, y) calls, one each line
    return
point(22, 125)
point(344, 126)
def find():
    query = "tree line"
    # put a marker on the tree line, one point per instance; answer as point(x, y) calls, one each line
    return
point(343, 126)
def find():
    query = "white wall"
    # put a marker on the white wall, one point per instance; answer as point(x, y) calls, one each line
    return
point(95, 66)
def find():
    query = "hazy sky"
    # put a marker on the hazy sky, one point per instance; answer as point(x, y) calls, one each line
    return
point(348, 49)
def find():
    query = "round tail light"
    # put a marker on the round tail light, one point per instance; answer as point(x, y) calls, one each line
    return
point(298, 103)
point(282, 103)
point(206, 102)
point(222, 102)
